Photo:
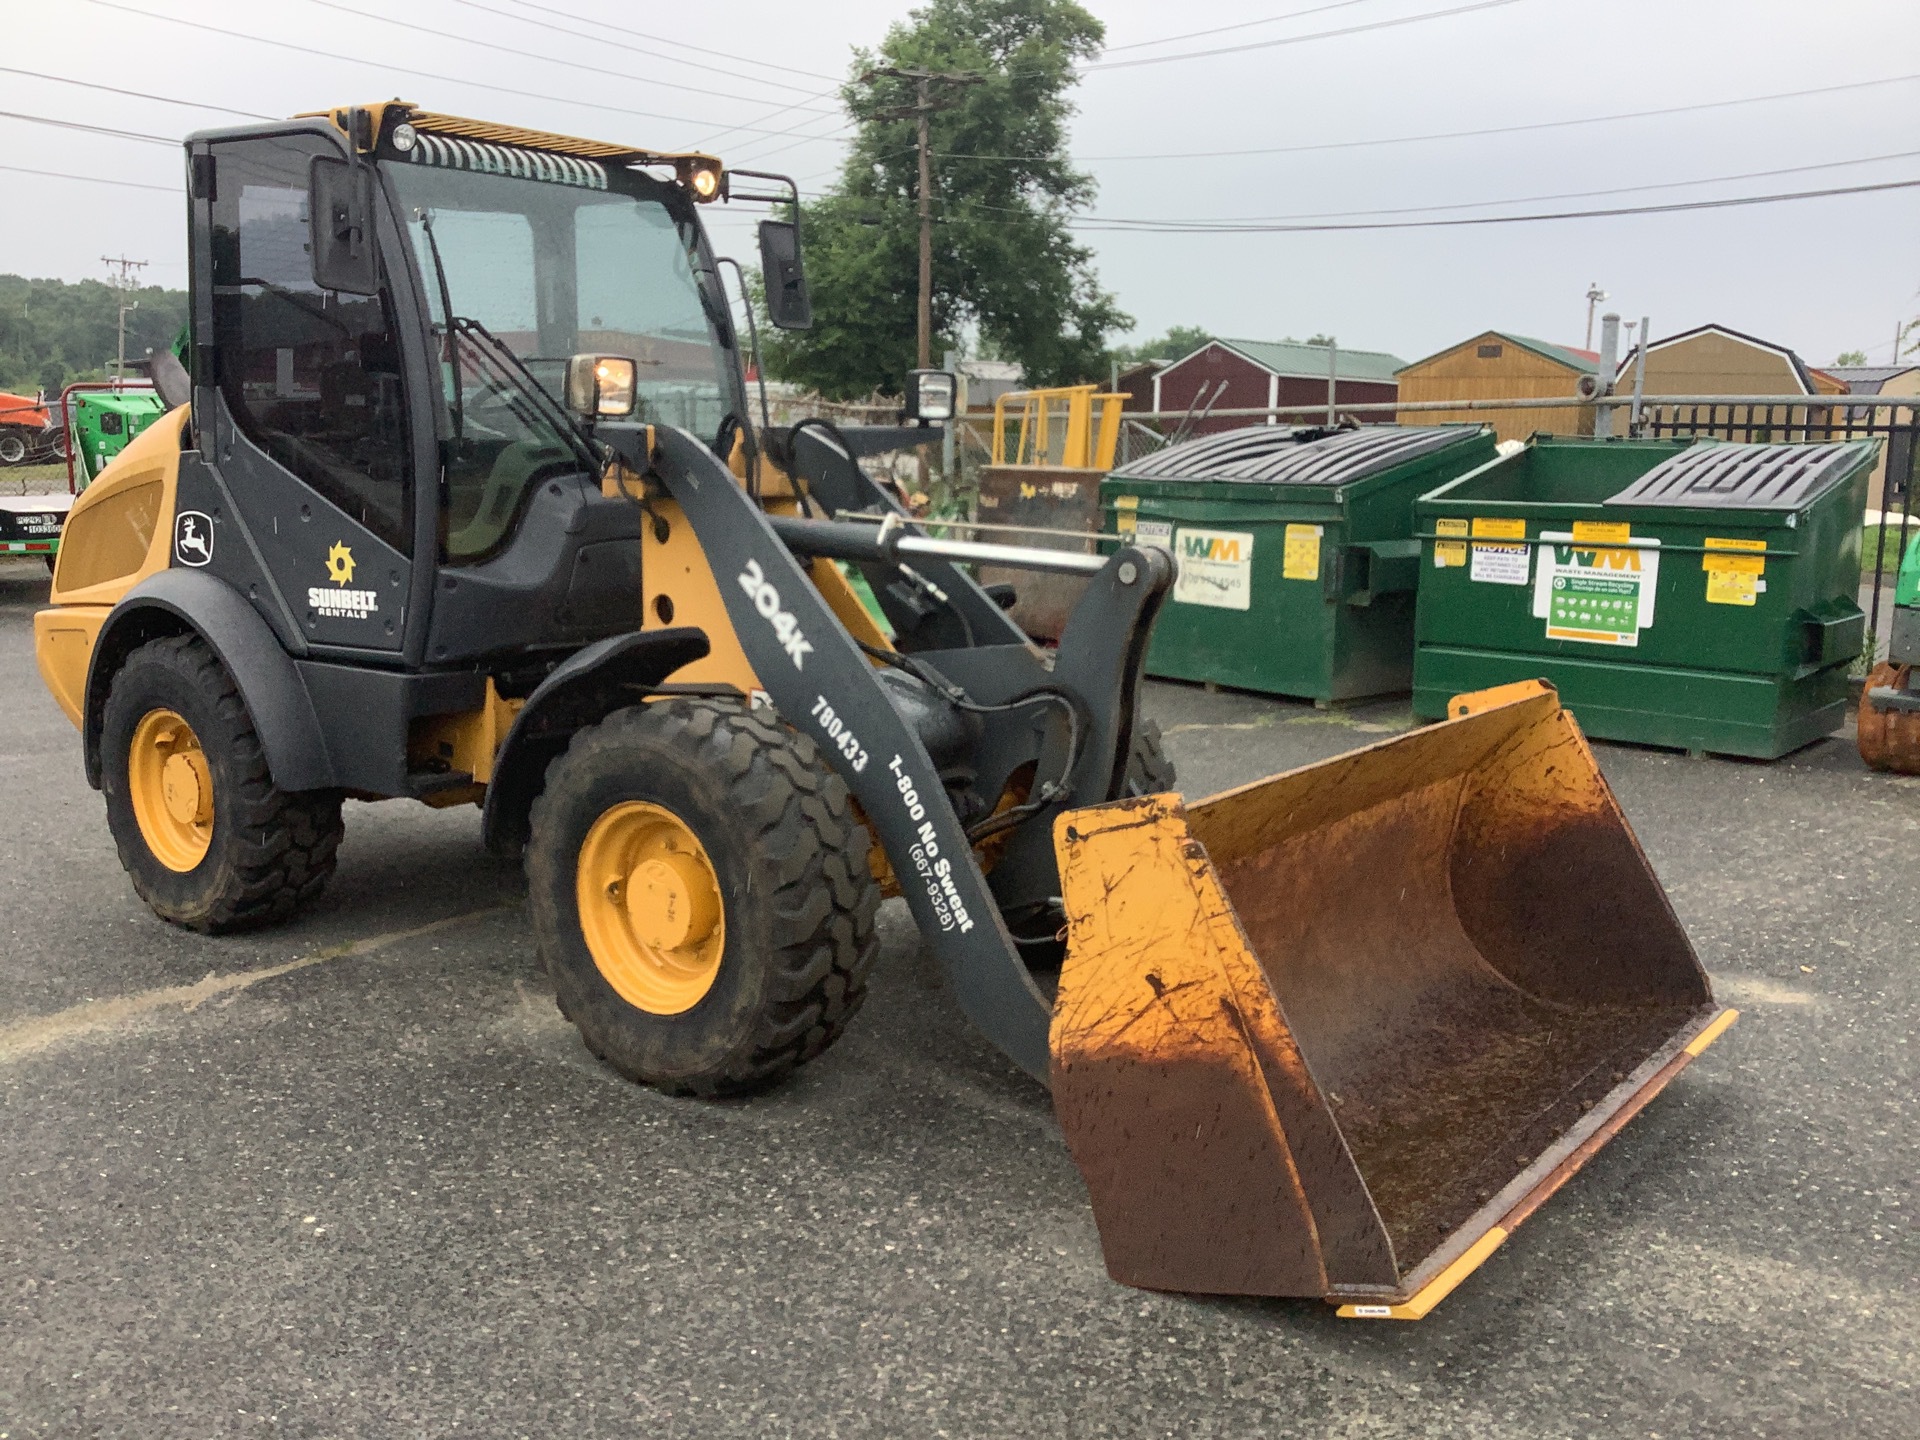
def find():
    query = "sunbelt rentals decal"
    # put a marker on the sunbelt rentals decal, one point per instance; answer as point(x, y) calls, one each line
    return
point(341, 603)
point(766, 600)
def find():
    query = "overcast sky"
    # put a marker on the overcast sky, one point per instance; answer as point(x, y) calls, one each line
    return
point(1821, 275)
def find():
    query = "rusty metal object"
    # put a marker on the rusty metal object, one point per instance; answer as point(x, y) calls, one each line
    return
point(1336, 1032)
point(1889, 739)
point(1047, 497)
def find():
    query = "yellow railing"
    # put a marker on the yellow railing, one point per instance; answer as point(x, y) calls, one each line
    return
point(1060, 427)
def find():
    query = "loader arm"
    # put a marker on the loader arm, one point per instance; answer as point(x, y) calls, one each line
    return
point(825, 687)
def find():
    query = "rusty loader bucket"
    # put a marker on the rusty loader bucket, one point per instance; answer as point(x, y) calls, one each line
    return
point(1338, 1032)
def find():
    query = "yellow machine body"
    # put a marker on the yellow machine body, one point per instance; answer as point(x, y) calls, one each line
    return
point(1337, 1032)
point(118, 533)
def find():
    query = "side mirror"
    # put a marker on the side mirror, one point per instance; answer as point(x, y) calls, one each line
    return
point(788, 305)
point(930, 395)
point(602, 387)
point(340, 216)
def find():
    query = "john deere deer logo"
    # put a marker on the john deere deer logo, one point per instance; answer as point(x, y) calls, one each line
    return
point(192, 538)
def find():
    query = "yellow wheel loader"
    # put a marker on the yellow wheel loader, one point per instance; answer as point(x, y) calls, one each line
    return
point(462, 499)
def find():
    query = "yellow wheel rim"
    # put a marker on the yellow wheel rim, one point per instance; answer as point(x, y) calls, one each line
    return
point(172, 790)
point(650, 908)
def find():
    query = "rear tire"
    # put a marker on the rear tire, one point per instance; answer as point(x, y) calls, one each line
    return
point(210, 843)
point(752, 810)
point(13, 445)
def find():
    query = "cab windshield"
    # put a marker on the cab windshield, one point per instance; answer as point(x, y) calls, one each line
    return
point(518, 275)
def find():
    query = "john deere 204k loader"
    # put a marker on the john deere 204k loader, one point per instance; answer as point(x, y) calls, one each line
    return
point(463, 500)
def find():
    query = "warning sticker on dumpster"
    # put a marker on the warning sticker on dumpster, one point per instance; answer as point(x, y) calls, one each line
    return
point(1500, 564)
point(1447, 552)
point(1734, 579)
point(1154, 532)
point(1593, 592)
point(1216, 568)
point(1301, 559)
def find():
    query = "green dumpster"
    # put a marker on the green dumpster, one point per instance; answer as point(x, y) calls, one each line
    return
point(1297, 561)
point(1688, 593)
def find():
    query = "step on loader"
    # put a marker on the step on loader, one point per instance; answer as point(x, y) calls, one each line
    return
point(463, 498)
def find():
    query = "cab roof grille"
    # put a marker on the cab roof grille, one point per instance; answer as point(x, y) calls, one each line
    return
point(429, 123)
point(455, 153)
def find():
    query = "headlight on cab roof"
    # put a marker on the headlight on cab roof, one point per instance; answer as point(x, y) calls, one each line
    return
point(703, 178)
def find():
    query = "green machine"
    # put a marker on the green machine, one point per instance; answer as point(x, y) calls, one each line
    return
point(103, 422)
point(1695, 594)
point(1297, 562)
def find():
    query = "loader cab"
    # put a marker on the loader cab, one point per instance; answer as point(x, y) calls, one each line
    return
point(382, 329)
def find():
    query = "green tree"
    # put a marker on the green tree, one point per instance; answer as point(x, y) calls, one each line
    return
point(1179, 340)
point(1006, 268)
point(53, 332)
point(1851, 357)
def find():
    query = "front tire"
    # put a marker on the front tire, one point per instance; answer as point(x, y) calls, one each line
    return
point(1149, 771)
point(701, 895)
point(210, 843)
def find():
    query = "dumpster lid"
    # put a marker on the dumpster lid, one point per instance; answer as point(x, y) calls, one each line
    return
point(1275, 455)
point(1745, 477)
point(1210, 455)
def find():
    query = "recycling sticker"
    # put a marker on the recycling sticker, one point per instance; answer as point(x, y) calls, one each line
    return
point(1593, 592)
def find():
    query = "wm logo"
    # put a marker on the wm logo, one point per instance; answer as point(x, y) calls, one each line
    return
point(1209, 547)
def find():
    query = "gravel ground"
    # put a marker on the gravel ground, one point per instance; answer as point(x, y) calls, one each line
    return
point(355, 1177)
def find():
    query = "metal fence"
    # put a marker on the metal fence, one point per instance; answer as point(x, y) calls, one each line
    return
point(1889, 524)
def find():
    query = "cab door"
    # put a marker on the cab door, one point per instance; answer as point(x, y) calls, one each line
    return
point(305, 494)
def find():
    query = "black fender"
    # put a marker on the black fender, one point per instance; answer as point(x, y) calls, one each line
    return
point(582, 690)
point(189, 601)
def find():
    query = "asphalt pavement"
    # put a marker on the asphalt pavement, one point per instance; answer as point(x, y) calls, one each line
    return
point(357, 1177)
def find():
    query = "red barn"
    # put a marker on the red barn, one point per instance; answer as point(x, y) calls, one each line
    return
point(1247, 374)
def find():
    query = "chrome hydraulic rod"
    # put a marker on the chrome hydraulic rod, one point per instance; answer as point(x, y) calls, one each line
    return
point(888, 544)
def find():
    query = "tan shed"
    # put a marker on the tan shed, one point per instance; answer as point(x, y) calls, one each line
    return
point(1497, 365)
point(1713, 360)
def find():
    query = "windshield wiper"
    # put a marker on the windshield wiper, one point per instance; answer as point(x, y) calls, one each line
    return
point(529, 385)
point(446, 308)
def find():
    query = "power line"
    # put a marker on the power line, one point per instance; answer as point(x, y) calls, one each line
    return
point(757, 156)
point(525, 54)
point(1462, 134)
point(1241, 25)
point(89, 129)
point(135, 94)
point(91, 179)
point(662, 40)
point(1175, 228)
point(1303, 39)
point(1526, 199)
point(399, 69)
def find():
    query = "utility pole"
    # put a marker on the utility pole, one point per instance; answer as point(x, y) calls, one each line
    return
point(925, 104)
point(123, 282)
point(1594, 296)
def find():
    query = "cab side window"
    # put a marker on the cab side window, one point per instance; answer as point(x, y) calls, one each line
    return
point(311, 375)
